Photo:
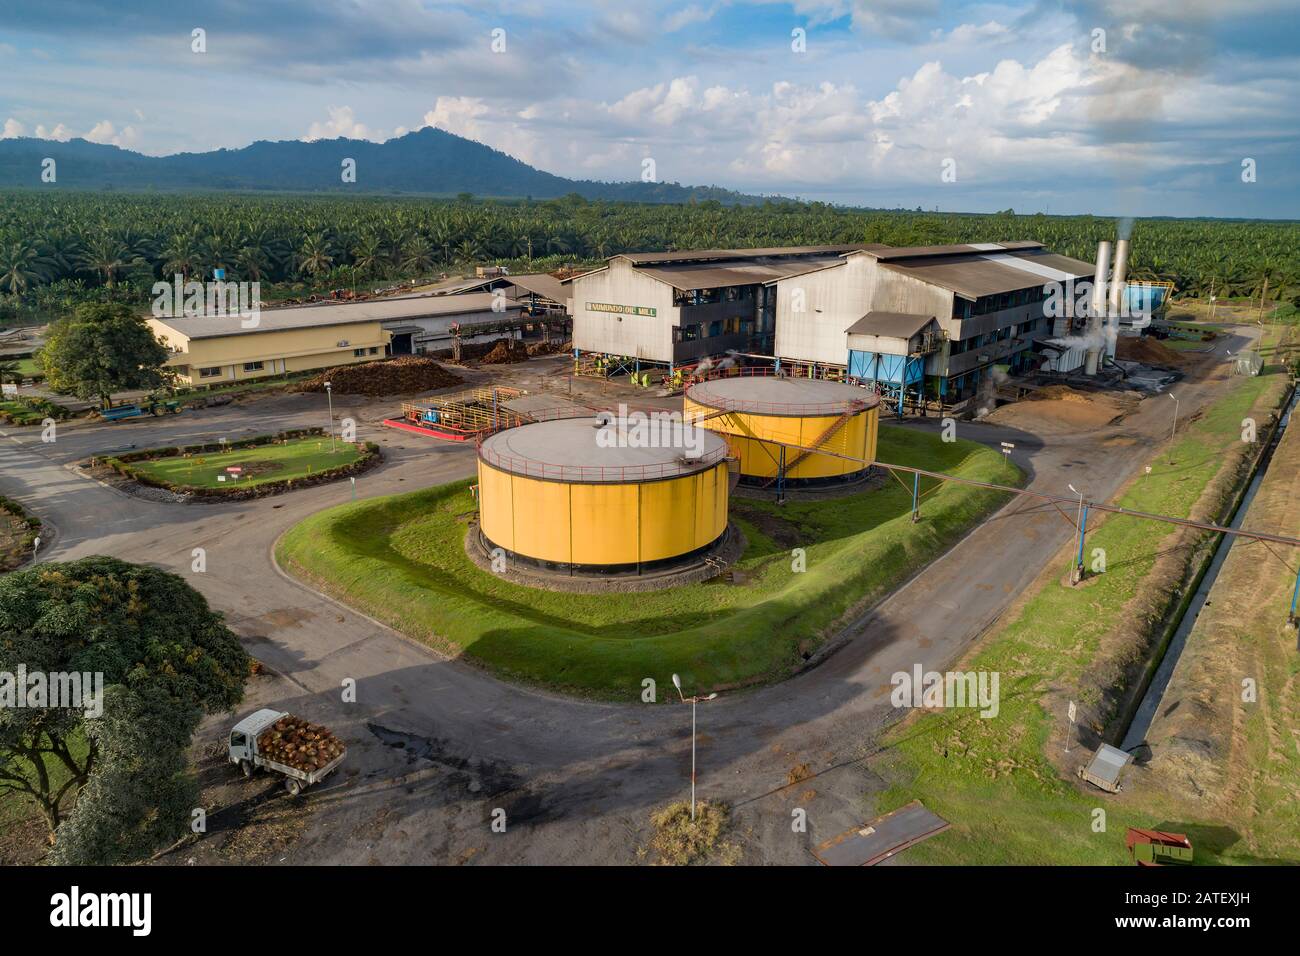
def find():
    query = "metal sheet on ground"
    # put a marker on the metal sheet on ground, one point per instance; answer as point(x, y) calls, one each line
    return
point(878, 840)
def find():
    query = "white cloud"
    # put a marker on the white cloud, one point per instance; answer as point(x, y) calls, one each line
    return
point(13, 129)
point(105, 132)
point(59, 132)
point(692, 13)
point(342, 123)
point(473, 118)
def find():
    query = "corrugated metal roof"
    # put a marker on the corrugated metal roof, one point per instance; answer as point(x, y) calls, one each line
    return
point(688, 277)
point(311, 316)
point(894, 325)
point(642, 258)
point(887, 253)
point(543, 284)
point(976, 274)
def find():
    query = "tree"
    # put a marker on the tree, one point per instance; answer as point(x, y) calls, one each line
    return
point(107, 256)
point(22, 266)
point(9, 372)
point(165, 658)
point(315, 255)
point(102, 349)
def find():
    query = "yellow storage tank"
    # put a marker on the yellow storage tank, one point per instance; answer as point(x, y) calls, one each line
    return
point(590, 493)
point(756, 412)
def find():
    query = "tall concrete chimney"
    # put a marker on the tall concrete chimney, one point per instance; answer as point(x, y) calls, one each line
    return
point(1117, 294)
point(1097, 308)
point(1117, 279)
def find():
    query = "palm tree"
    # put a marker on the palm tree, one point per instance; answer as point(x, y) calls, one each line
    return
point(368, 255)
point(22, 266)
point(181, 254)
point(315, 255)
point(252, 262)
point(108, 256)
point(417, 256)
point(9, 373)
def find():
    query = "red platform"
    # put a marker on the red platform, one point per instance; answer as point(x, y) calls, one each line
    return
point(406, 426)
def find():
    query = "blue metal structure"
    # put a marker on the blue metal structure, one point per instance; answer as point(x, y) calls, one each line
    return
point(894, 375)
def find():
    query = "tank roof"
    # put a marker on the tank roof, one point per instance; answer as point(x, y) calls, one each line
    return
point(780, 395)
point(591, 449)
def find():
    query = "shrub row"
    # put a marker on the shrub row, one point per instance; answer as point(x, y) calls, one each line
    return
point(29, 410)
point(9, 506)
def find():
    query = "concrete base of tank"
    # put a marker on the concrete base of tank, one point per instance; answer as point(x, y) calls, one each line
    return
point(703, 565)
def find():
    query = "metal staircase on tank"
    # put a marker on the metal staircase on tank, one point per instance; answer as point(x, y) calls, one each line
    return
point(822, 439)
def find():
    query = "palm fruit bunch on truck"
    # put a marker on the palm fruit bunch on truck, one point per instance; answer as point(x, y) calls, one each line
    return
point(299, 744)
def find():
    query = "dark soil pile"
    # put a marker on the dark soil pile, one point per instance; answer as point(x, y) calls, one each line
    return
point(1147, 350)
point(407, 373)
point(299, 744)
point(549, 348)
point(506, 351)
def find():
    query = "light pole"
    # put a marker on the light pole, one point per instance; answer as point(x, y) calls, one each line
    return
point(329, 394)
point(1173, 431)
point(1076, 572)
point(677, 682)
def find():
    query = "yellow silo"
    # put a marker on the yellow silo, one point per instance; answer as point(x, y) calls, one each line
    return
point(584, 493)
point(760, 413)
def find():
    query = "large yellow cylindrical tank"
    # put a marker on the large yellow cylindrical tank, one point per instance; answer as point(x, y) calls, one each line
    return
point(760, 413)
point(579, 492)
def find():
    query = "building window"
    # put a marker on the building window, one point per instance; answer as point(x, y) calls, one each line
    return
point(212, 371)
point(252, 366)
point(358, 353)
point(374, 350)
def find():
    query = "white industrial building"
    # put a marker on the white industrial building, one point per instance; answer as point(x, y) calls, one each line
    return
point(676, 308)
point(986, 302)
point(936, 319)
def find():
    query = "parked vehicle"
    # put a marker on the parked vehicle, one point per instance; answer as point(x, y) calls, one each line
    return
point(120, 412)
point(259, 735)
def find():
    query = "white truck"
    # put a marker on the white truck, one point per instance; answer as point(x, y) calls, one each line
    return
point(245, 753)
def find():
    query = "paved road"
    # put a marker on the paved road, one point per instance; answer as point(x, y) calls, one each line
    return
point(436, 745)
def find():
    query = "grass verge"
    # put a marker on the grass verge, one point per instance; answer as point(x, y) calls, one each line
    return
point(993, 779)
point(401, 559)
point(295, 458)
point(266, 464)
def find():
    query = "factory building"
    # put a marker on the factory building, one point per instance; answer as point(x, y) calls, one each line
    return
point(216, 350)
point(676, 308)
point(429, 323)
point(539, 292)
point(932, 319)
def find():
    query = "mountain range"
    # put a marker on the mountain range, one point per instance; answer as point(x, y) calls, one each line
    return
point(428, 161)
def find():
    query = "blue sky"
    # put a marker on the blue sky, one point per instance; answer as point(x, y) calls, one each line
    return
point(1024, 105)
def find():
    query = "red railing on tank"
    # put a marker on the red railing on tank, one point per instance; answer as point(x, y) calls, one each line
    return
point(804, 409)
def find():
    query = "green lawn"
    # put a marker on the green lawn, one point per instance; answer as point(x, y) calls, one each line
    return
point(989, 777)
point(294, 459)
point(402, 559)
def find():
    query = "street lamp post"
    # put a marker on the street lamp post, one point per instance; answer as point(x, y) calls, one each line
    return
point(329, 393)
point(693, 700)
point(1076, 572)
point(1173, 431)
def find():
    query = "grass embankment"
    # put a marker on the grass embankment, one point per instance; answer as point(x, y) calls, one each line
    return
point(402, 560)
point(992, 778)
point(295, 458)
point(1240, 759)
